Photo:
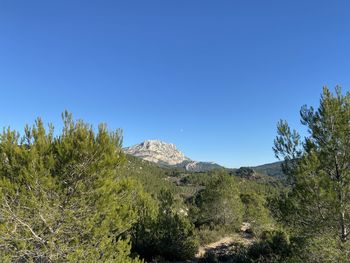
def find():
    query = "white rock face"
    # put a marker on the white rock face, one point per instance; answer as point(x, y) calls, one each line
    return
point(167, 154)
point(158, 152)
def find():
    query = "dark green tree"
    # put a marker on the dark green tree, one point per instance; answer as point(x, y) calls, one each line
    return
point(219, 203)
point(255, 211)
point(61, 197)
point(318, 169)
point(170, 235)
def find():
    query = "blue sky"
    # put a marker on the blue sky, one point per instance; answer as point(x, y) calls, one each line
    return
point(213, 77)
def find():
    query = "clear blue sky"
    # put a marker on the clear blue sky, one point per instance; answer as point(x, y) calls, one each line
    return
point(213, 77)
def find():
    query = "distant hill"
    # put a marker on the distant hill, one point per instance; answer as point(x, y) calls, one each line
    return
point(183, 183)
point(166, 154)
point(270, 169)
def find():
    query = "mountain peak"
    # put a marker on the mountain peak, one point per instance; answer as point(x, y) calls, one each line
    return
point(157, 143)
point(158, 152)
point(164, 153)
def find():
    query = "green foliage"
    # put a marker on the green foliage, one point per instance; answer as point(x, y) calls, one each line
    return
point(319, 249)
point(255, 211)
point(73, 196)
point(175, 233)
point(272, 170)
point(319, 201)
point(209, 234)
point(153, 178)
point(198, 179)
point(316, 208)
point(210, 258)
point(245, 172)
point(274, 246)
point(61, 198)
point(219, 203)
point(170, 235)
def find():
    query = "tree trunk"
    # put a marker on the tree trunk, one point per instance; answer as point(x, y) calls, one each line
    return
point(344, 233)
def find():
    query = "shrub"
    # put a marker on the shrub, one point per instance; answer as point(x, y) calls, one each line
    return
point(219, 203)
point(274, 247)
point(209, 258)
point(170, 236)
point(61, 199)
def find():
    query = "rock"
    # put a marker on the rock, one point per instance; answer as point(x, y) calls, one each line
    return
point(163, 153)
point(157, 152)
point(246, 227)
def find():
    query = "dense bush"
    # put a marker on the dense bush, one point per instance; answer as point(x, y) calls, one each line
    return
point(61, 197)
point(274, 246)
point(209, 258)
point(219, 203)
point(245, 172)
point(256, 211)
point(170, 235)
point(208, 234)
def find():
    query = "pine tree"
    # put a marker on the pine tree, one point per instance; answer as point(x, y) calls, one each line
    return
point(318, 168)
point(62, 198)
point(219, 203)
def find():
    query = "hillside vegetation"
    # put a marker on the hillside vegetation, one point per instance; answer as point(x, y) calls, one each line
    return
point(75, 196)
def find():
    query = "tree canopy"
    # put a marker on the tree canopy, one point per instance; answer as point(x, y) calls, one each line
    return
point(318, 167)
point(61, 198)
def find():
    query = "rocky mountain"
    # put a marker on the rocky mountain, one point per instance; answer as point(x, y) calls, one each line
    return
point(167, 154)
